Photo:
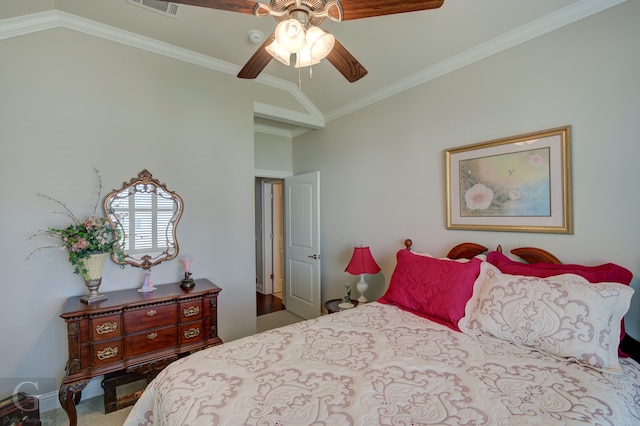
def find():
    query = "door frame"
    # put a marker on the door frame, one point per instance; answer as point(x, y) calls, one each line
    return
point(266, 174)
point(271, 236)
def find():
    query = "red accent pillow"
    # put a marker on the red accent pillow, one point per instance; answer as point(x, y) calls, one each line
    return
point(432, 288)
point(608, 272)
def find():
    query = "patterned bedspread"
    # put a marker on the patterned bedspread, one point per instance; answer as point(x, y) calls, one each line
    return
point(378, 365)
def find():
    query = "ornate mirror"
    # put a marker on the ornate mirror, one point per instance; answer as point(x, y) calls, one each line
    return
point(147, 214)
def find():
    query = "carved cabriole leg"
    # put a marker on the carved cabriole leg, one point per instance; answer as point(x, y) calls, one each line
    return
point(69, 395)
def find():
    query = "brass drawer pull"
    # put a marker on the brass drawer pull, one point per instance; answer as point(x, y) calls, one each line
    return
point(151, 312)
point(107, 353)
point(192, 332)
point(107, 327)
point(191, 311)
point(152, 336)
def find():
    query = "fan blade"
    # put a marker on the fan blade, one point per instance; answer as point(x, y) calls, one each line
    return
point(258, 61)
point(241, 6)
point(344, 62)
point(357, 9)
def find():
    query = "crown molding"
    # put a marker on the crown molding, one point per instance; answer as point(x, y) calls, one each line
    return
point(23, 25)
point(14, 27)
point(276, 131)
point(272, 112)
point(567, 15)
point(270, 130)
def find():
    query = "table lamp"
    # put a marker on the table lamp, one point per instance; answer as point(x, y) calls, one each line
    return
point(361, 263)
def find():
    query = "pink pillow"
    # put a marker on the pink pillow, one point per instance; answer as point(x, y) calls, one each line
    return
point(432, 288)
point(608, 272)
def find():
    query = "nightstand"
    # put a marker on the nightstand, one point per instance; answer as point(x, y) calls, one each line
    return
point(332, 305)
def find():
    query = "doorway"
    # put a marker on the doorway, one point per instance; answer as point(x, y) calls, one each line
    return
point(269, 220)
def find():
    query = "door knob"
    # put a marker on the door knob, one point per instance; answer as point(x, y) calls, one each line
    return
point(315, 256)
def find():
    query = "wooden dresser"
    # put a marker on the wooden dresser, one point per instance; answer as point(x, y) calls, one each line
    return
point(135, 332)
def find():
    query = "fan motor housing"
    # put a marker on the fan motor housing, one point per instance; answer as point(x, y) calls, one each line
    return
point(308, 7)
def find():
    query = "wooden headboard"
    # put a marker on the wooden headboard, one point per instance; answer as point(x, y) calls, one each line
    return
point(470, 250)
point(461, 251)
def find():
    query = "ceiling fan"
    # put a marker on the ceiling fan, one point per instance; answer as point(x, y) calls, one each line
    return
point(298, 32)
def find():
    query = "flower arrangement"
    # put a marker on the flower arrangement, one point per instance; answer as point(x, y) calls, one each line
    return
point(83, 238)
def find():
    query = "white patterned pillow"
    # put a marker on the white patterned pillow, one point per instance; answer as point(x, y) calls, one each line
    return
point(563, 315)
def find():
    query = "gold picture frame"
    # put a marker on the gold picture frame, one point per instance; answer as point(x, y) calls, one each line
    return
point(519, 184)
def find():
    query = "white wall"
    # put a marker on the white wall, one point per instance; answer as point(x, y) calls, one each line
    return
point(382, 168)
point(273, 152)
point(69, 102)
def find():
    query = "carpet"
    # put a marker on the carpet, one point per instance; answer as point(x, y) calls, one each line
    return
point(90, 413)
point(275, 320)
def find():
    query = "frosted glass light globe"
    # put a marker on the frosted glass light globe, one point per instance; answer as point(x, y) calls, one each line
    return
point(278, 53)
point(317, 47)
point(320, 43)
point(290, 35)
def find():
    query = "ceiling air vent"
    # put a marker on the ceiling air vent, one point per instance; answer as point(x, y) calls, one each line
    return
point(166, 8)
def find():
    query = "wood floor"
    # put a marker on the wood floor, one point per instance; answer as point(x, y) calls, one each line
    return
point(267, 303)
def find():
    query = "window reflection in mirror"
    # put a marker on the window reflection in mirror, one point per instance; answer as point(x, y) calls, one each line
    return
point(147, 214)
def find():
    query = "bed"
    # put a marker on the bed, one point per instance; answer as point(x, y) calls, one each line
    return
point(502, 349)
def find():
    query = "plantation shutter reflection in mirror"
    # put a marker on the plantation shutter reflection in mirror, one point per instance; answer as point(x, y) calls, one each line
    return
point(147, 213)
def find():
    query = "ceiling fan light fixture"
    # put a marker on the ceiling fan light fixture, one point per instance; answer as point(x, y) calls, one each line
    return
point(279, 53)
point(319, 44)
point(304, 58)
point(290, 35)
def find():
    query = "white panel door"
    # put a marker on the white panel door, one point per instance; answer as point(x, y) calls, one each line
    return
point(302, 233)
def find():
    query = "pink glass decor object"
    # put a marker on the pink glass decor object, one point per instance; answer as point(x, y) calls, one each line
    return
point(147, 285)
point(187, 282)
point(361, 263)
point(186, 261)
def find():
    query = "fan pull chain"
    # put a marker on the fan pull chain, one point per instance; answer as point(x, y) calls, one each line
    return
point(300, 76)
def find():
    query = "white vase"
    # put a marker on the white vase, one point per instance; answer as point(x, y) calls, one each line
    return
point(94, 264)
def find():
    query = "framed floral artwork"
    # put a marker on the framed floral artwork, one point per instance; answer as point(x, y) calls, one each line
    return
point(520, 184)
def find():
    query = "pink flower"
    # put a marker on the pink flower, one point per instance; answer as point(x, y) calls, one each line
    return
point(79, 245)
point(536, 160)
point(92, 222)
point(478, 197)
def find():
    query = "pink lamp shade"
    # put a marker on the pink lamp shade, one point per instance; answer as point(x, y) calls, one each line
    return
point(361, 263)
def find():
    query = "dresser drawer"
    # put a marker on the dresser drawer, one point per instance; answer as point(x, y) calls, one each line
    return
point(191, 332)
point(150, 317)
point(106, 352)
point(107, 327)
point(191, 310)
point(150, 340)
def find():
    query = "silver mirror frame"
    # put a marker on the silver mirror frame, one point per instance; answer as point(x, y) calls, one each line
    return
point(149, 185)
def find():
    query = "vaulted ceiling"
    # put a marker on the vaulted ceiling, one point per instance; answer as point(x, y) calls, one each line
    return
point(399, 51)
